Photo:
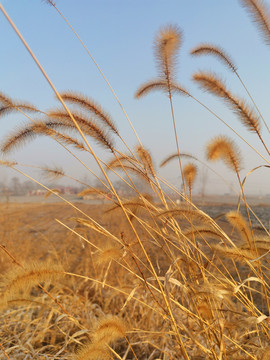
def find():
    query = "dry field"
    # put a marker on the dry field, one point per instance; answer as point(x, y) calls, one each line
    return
point(36, 324)
point(50, 316)
point(143, 277)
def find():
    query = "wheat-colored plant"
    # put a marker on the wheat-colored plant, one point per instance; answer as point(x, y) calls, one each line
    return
point(188, 285)
point(223, 148)
point(22, 279)
point(260, 13)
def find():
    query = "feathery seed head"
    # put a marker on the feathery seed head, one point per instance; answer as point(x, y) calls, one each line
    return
point(109, 329)
point(5, 100)
point(8, 163)
point(146, 159)
point(53, 174)
point(88, 126)
point(210, 82)
point(92, 351)
point(219, 53)
point(260, 13)
point(92, 190)
point(237, 220)
point(190, 171)
point(236, 253)
point(213, 84)
point(168, 40)
point(21, 280)
point(90, 106)
point(223, 148)
point(167, 43)
point(108, 254)
point(175, 156)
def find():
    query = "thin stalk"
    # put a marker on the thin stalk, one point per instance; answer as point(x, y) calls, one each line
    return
point(6, 355)
point(167, 75)
point(101, 72)
point(88, 145)
point(42, 288)
point(224, 122)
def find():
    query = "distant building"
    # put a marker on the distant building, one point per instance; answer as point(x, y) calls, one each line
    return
point(65, 190)
point(38, 192)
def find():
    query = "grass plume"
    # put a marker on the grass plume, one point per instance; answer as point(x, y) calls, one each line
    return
point(146, 159)
point(21, 280)
point(190, 172)
point(86, 124)
point(216, 51)
point(90, 105)
point(170, 271)
point(109, 329)
point(28, 132)
point(261, 15)
point(241, 225)
point(167, 44)
point(93, 352)
point(213, 84)
point(223, 148)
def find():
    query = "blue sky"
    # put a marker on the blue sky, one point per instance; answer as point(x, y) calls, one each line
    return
point(119, 35)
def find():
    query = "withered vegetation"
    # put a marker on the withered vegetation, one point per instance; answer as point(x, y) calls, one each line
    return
point(125, 273)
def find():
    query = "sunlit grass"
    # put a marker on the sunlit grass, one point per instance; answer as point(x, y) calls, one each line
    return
point(140, 276)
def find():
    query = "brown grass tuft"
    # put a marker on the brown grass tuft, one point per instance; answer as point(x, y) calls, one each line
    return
point(175, 156)
point(93, 352)
point(261, 15)
point(167, 44)
point(109, 329)
point(65, 139)
point(241, 225)
point(91, 106)
point(4, 99)
point(218, 52)
point(146, 159)
point(190, 172)
point(21, 280)
point(49, 193)
point(223, 148)
point(185, 213)
point(25, 107)
point(238, 254)
point(149, 86)
point(108, 254)
point(55, 173)
point(28, 132)
point(92, 190)
point(86, 124)
point(210, 82)
point(203, 232)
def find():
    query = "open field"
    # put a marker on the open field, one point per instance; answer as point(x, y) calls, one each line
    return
point(144, 269)
point(52, 323)
point(34, 325)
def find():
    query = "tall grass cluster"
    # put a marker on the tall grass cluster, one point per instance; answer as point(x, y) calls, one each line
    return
point(143, 277)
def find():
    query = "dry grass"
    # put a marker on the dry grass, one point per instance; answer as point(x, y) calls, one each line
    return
point(141, 277)
point(38, 327)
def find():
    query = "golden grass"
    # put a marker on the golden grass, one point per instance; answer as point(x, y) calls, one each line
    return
point(115, 287)
point(139, 278)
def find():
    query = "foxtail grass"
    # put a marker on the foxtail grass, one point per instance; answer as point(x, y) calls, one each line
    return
point(146, 276)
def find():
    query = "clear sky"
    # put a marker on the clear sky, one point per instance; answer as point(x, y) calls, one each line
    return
point(119, 35)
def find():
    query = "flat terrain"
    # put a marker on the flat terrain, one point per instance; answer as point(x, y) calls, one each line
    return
point(41, 320)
